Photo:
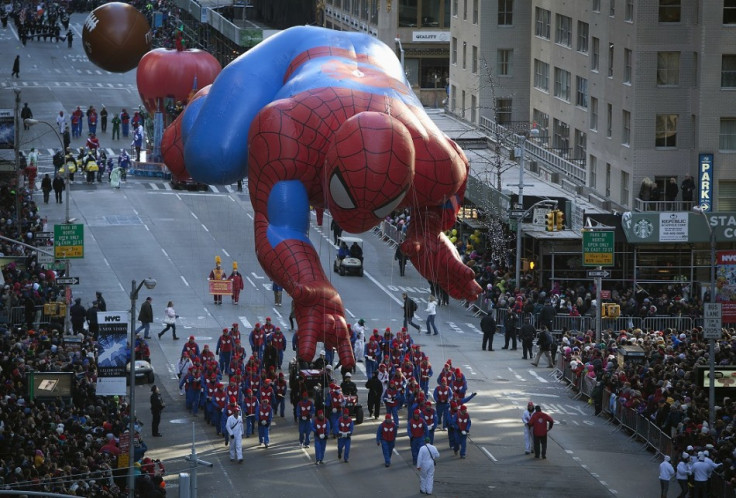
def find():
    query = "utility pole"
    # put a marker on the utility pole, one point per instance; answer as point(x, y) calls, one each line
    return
point(17, 159)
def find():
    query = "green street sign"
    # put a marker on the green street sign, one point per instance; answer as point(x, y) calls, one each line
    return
point(598, 247)
point(69, 241)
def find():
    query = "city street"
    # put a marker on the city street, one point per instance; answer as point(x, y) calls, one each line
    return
point(146, 229)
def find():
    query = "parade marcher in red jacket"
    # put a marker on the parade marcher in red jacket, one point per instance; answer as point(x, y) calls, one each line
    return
point(416, 429)
point(386, 438)
point(237, 280)
point(224, 351)
point(541, 424)
point(250, 411)
point(461, 424)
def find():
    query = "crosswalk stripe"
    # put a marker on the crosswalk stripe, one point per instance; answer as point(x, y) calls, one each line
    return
point(214, 189)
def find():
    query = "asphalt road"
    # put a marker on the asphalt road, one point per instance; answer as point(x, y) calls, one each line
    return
point(145, 229)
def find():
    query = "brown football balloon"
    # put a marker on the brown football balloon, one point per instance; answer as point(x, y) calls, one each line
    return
point(115, 37)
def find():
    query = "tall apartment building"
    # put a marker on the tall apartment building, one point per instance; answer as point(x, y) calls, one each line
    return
point(422, 26)
point(627, 89)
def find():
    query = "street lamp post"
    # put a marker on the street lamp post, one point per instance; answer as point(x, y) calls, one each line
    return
point(519, 230)
point(711, 341)
point(520, 202)
point(150, 283)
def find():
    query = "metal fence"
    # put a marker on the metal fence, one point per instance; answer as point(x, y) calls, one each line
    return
point(17, 317)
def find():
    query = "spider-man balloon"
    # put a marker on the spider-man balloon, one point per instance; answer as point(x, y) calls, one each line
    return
point(326, 118)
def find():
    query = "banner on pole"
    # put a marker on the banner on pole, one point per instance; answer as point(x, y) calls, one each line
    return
point(112, 353)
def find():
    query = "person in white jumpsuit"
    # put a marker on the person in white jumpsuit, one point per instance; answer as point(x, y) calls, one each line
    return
point(528, 437)
point(426, 459)
point(234, 427)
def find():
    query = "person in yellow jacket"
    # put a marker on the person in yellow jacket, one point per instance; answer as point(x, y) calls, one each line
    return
point(218, 273)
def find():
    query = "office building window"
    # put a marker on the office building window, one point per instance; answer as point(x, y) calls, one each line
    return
point(503, 111)
point(727, 135)
point(629, 14)
point(561, 137)
point(465, 55)
point(608, 179)
point(728, 71)
point(503, 62)
point(475, 60)
point(669, 10)
point(454, 8)
point(462, 102)
point(583, 37)
point(581, 96)
point(594, 113)
point(562, 84)
point(626, 128)
point(540, 121)
point(596, 5)
point(542, 17)
point(465, 10)
point(609, 120)
point(434, 13)
point(593, 176)
point(475, 11)
point(453, 98)
point(610, 60)
point(473, 108)
point(541, 75)
point(666, 132)
point(612, 8)
point(453, 51)
point(581, 141)
point(729, 11)
point(628, 55)
point(668, 68)
point(505, 12)
point(563, 33)
point(625, 191)
point(595, 60)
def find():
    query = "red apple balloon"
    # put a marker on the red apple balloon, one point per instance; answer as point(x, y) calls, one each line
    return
point(176, 74)
point(172, 149)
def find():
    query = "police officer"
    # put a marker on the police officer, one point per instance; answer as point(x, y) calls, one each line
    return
point(488, 326)
point(375, 391)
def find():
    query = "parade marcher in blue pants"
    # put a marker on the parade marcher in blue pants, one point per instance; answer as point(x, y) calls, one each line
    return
point(391, 400)
point(416, 429)
point(430, 418)
point(442, 397)
point(386, 438)
point(264, 422)
point(250, 412)
point(279, 395)
point(305, 412)
point(321, 429)
point(345, 428)
point(461, 424)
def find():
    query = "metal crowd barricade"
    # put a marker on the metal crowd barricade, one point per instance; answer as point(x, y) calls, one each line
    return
point(621, 323)
point(667, 322)
point(566, 322)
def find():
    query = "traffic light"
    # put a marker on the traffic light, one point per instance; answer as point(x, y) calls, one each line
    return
point(549, 221)
point(560, 220)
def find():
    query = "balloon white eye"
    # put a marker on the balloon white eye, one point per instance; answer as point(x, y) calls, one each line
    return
point(340, 194)
point(389, 207)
